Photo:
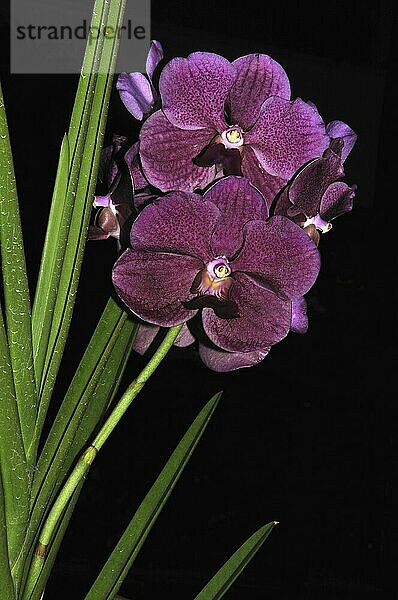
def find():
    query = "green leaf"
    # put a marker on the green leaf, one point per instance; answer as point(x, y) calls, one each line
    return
point(45, 569)
point(16, 290)
point(120, 561)
point(14, 471)
point(95, 383)
point(225, 577)
point(51, 262)
point(63, 257)
point(7, 584)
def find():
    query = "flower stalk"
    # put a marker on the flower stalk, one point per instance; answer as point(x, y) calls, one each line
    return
point(85, 461)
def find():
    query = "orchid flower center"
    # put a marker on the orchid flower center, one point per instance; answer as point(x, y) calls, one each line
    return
point(219, 268)
point(232, 137)
point(214, 280)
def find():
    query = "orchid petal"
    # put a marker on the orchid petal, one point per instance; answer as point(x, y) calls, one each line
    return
point(286, 135)
point(258, 77)
point(194, 90)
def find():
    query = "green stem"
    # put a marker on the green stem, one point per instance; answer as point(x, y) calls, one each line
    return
point(85, 461)
point(135, 387)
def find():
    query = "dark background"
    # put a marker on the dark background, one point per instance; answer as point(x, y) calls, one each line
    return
point(306, 437)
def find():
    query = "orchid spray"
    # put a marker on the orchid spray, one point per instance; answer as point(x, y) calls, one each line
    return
point(217, 209)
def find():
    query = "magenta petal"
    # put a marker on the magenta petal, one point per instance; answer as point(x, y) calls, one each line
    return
point(222, 362)
point(131, 158)
point(154, 285)
point(299, 316)
point(286, 135)
point(258, 77)
point(147, 333)
point(184, 338)
point(279, 254)
point(238, 202)
point(338, 129)
point(264, 318)
point(144, 337)
point(136, 93)
point(180, 222)
point(155, 55)
point(311, 183)
point(194, 90)
point(337, 200)
point(102, 201)
point(269, 185)
point(167, 154)
point(283, 203)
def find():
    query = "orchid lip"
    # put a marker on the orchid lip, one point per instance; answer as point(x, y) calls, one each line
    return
point(321, 224)
point(232, 137)
point(214, 280)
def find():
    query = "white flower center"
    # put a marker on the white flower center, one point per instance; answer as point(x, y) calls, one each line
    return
point(219, 268)
point(232, 137)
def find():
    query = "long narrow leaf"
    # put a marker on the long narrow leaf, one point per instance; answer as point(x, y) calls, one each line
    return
point(225, 577)
point(85, 142)
point(95, 382)
point(6, 582)
point(55, 544)
point(13, 465)
point(120, 561)
point(16, 290)
point(83, 149)
point(51, 262)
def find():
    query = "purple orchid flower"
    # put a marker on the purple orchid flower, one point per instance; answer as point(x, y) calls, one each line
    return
point(116, 201)
point(315, 197)
point(236, 118)
point(219, 257)
point(137, 92)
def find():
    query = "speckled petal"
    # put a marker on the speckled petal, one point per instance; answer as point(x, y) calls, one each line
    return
point(144, 337)
point(269, 185)
point(167, 154)
point(264, 318)
point(311, 183)
point(279, 255)
point(180, 222)
point(146, 334)
point(222, 361)
point(258, 78)
point(154, 285)
point(286, 135)
point(136, 93)
point(337, 200)
point(338, 129)
point(283, 203)
point(184, 338)
point(137, 178)
point(299, 316)
point(239, 202)
point(194, 90)
point(155, 55)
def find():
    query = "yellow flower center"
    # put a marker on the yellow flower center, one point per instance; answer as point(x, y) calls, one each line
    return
point(234, 136)
point(222, 271)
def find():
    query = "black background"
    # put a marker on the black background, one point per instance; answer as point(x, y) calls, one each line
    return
point(306, 437)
